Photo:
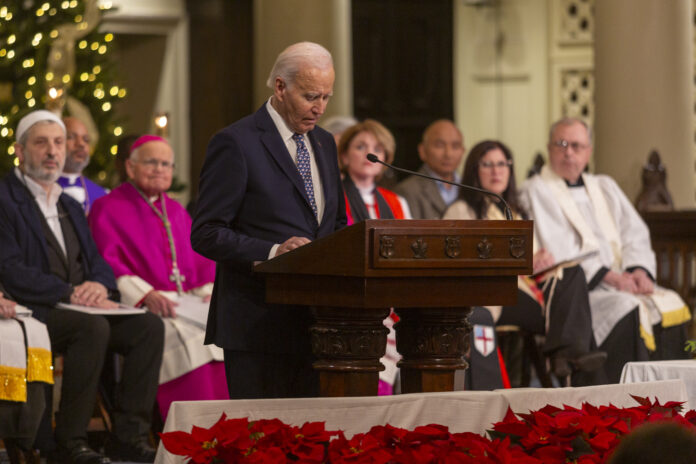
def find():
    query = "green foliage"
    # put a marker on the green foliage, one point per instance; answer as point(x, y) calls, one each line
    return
point(690, 346)
point(28, 30)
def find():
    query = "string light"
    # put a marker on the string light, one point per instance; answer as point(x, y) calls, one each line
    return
point(45, 6)
point(52, 11)
point(28, 63)
point(39, 12)
point(106, 106)
point(118, 130)
point(94, 46)
point(65, 5)
point(8, 16)
point(3, 12)
point(10, 150)
point(113, 91)
point(66, 78)
point(102, 49)
point(96, 69)
point(82, 45)
point(16, 161)
point(4, 132)
point(28, 94)
point(31, 103)
point(78, 18)
point(37, 39)
point(108, 37)
point(49, 76)
point(31, 80)
point(99, 93)
point(3, 52)
point(54, 33)
point(84, 76)
point(73, 3)
point(114, 149)
point(10, 54)
point(11, 39)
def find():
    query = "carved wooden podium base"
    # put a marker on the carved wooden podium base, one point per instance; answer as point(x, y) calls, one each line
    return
point(348, 345)
point(432, 342)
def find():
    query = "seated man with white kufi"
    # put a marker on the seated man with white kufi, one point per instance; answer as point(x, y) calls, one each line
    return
point(576, 212)
point(144, 235)
point(48, 257)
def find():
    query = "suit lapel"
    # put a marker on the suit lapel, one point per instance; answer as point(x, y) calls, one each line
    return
point(276, 147)
point(29, 211)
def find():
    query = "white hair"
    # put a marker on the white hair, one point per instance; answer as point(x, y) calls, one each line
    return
point(294, 58)
point(568, 121)
point(338, 124)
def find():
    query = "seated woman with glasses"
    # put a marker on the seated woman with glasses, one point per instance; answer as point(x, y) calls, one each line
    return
point(555, 303)
point(144, 235)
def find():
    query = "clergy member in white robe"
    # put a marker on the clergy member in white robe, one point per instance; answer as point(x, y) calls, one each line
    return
point(576, 213)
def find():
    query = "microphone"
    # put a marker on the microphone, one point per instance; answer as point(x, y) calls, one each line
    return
point(508, 212)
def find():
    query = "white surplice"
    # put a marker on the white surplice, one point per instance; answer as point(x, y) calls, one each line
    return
point(572, 221)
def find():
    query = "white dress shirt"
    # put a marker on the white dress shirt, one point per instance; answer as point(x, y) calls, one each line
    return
point(47, 204)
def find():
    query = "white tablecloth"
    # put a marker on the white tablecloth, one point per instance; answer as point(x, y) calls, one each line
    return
point(684, 369)
point(460, 411)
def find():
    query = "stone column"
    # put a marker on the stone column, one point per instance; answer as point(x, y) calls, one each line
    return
point(644, 69)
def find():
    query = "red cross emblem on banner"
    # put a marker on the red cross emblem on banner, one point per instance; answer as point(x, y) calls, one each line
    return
point(484, 339)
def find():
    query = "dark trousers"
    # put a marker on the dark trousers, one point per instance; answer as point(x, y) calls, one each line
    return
point(570, 320)
point(20, 421)
point(623, 344)
point(263, 375)
point(83, 340)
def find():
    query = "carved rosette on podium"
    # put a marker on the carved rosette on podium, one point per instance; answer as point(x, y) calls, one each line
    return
point(430, 272)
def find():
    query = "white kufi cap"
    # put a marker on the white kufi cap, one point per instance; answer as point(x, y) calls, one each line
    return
point(32, 118)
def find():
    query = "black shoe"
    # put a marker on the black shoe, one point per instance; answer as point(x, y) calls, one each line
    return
point(138, 450)
point(19, 455)
point(78, 454)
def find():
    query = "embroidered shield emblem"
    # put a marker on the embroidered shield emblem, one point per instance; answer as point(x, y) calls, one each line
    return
point(484, 339)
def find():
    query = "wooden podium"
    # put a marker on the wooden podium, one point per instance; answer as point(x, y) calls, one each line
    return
point(430, 272)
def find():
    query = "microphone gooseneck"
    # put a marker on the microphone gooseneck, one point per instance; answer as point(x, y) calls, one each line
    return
point(508, 212)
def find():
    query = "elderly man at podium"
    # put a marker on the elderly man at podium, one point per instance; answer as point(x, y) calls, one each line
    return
point(270, 184)
point(144, 235)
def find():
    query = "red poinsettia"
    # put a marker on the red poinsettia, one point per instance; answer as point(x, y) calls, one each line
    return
point(585, 435)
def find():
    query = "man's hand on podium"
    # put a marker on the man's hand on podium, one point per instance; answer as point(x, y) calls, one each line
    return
point(291, 243)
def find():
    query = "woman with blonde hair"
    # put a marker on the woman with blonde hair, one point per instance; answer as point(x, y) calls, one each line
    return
point(364, 199)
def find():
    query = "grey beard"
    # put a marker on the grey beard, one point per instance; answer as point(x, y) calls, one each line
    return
point(41, 176)
point(74, 167)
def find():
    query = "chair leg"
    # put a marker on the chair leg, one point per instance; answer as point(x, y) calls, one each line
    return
point(538, 360)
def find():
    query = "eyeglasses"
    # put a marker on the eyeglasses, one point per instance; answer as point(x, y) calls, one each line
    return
point(564, 144)
point(499, 164)
point(153, 163)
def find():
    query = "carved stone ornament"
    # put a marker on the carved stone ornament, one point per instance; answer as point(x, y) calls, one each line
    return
point(420, 248)
point(453, 247)
point(386, 246)
point(484, 248)
point(517, 247)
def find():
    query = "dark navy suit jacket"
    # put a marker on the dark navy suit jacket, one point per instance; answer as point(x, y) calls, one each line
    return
point(251, 196)
point(24, 267)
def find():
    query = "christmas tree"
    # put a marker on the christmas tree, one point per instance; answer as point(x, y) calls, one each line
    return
point(53, 56)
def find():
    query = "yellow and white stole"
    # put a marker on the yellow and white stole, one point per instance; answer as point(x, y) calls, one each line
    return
point(20, 363)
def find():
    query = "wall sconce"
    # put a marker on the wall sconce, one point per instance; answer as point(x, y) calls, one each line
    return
point(162, 124)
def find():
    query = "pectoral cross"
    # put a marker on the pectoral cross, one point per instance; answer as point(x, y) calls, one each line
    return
point(177, 278)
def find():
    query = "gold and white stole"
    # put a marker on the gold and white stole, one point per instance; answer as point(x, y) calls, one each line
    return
point(20, 364)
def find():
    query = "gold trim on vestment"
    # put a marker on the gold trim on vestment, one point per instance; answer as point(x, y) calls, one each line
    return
point(13, 384)
point(648, 339)
point(39, 365)
point(676, 317)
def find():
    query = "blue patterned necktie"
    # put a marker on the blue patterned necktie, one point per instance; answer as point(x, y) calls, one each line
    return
point(304, 166)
